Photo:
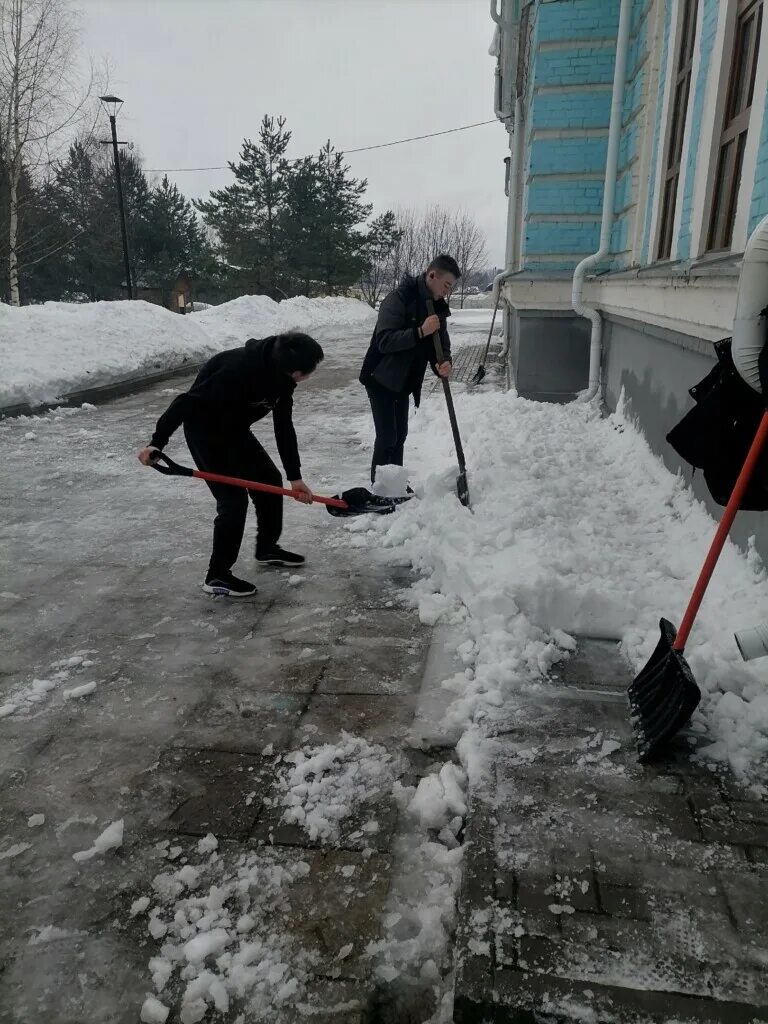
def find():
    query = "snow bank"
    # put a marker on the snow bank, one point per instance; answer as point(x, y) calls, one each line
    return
point(577, 529)
point(53, 349)
point(56, 348)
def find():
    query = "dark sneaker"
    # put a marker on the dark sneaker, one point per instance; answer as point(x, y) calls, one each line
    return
point(277, 556)
point(227, 585)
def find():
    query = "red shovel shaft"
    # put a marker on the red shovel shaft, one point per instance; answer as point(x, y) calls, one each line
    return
point(253, 485)
point(734, 503)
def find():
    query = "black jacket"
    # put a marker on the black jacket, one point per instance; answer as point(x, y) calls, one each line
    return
point(397, 357)
point(716, 434)
point(233, 390)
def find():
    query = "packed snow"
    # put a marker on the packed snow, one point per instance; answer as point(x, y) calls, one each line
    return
point(57, 348)
point(576, 528)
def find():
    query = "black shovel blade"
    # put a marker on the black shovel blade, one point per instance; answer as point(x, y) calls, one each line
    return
point(362, 502)
point(462, 489)
point(477, 377)
point(662, 697)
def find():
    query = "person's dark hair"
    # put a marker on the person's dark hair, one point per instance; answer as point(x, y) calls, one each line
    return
point(296, 351)
point(446, 265)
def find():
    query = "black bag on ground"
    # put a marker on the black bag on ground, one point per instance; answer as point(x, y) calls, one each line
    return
point(716, 434)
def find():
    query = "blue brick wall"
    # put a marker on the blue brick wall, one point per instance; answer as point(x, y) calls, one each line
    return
point(572, 196)
point(573, 62)
point(578, 19)
point(759, 207)
point(644, 254)
point(569, 109)
point(708, 32)
point(571, 237)
point(578, 65)
point(567, 156)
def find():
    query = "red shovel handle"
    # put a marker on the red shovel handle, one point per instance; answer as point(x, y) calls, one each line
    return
point(174, 469)
point(734, 502)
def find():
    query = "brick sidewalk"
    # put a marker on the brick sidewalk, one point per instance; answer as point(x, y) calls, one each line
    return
point(598, 890)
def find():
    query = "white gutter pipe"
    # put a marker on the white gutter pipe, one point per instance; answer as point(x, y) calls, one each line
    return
point(609, 193)
point(750, 330)
point(750, 338)
point(510, 263)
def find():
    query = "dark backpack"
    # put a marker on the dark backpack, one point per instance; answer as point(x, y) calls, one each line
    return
point(716, 434)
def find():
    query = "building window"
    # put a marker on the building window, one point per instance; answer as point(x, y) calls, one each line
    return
point(681, 90)
point(733, 140)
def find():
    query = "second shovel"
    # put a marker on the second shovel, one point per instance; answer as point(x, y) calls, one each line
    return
point(462, 487)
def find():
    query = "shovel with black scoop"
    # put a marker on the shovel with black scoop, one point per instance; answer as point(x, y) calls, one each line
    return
point(462, 487)
point(664, 695)
point(479, 374)
point(355, 502)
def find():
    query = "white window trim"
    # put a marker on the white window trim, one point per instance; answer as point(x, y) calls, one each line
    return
point(747, 186)
point(715, 98)
point(642, 181)
point(674, 251)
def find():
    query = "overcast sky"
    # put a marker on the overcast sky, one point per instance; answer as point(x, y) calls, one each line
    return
point(197, 76)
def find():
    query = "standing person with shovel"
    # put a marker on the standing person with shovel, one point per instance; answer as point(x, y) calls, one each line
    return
point(401, 349)
point(232, 391)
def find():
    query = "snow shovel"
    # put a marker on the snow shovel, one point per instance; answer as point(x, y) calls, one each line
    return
point(355, 502)
point(462, 487)
point(664, 695)
point(477, 377)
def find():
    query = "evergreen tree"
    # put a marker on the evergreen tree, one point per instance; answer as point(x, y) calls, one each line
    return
point(246, 214)
point(340, 216)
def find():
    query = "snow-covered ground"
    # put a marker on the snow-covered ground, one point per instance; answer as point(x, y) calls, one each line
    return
point(57, 348)
point(577, 529)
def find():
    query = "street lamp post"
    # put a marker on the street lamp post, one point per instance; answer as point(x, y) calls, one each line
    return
point(112, 104)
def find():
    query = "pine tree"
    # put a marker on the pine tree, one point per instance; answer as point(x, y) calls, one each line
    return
point(246, 214)
point(173, 239)
point(341, 213)
point(381, 243)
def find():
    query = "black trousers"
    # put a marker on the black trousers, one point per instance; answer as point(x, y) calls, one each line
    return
point(237, 455)
point(390, 419)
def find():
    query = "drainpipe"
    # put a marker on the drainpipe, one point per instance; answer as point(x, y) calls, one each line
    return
point(609, 193)
point(510, 267)
point(749, 324)
point(509, 30)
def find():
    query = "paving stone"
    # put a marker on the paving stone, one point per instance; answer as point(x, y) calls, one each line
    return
point(377, 718)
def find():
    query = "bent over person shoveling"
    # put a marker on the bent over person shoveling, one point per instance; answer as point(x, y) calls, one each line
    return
point(232, 391)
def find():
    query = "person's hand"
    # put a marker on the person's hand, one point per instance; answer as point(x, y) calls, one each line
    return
point(301, 492)
point(430, 326)
point(444, 369)
point(145, 455)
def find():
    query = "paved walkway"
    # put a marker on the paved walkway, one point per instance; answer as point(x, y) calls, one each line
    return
point(194, 698)
point(598, 890)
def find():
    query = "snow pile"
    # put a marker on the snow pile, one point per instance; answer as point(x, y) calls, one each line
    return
point(329, 783)
point(221, 938)
point(257, 316)
point(577, 528)
point(57, 348)
point(110, 839)
point(31, 697)
point(420, 917)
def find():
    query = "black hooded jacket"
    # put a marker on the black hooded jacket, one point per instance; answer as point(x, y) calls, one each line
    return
point(397, 357)
point(233, 390)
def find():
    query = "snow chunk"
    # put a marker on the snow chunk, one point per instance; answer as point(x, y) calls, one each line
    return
point(139, 906)
point(110, 839)
point(206, 944)
point(391, 481)
point(14, 851)
point(35, 820)
point(79, 691)
point(153, 1011)
point(207, 844)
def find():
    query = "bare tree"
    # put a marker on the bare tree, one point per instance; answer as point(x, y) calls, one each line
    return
point(469, 250)
point(42, 98)
point(437, 230)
